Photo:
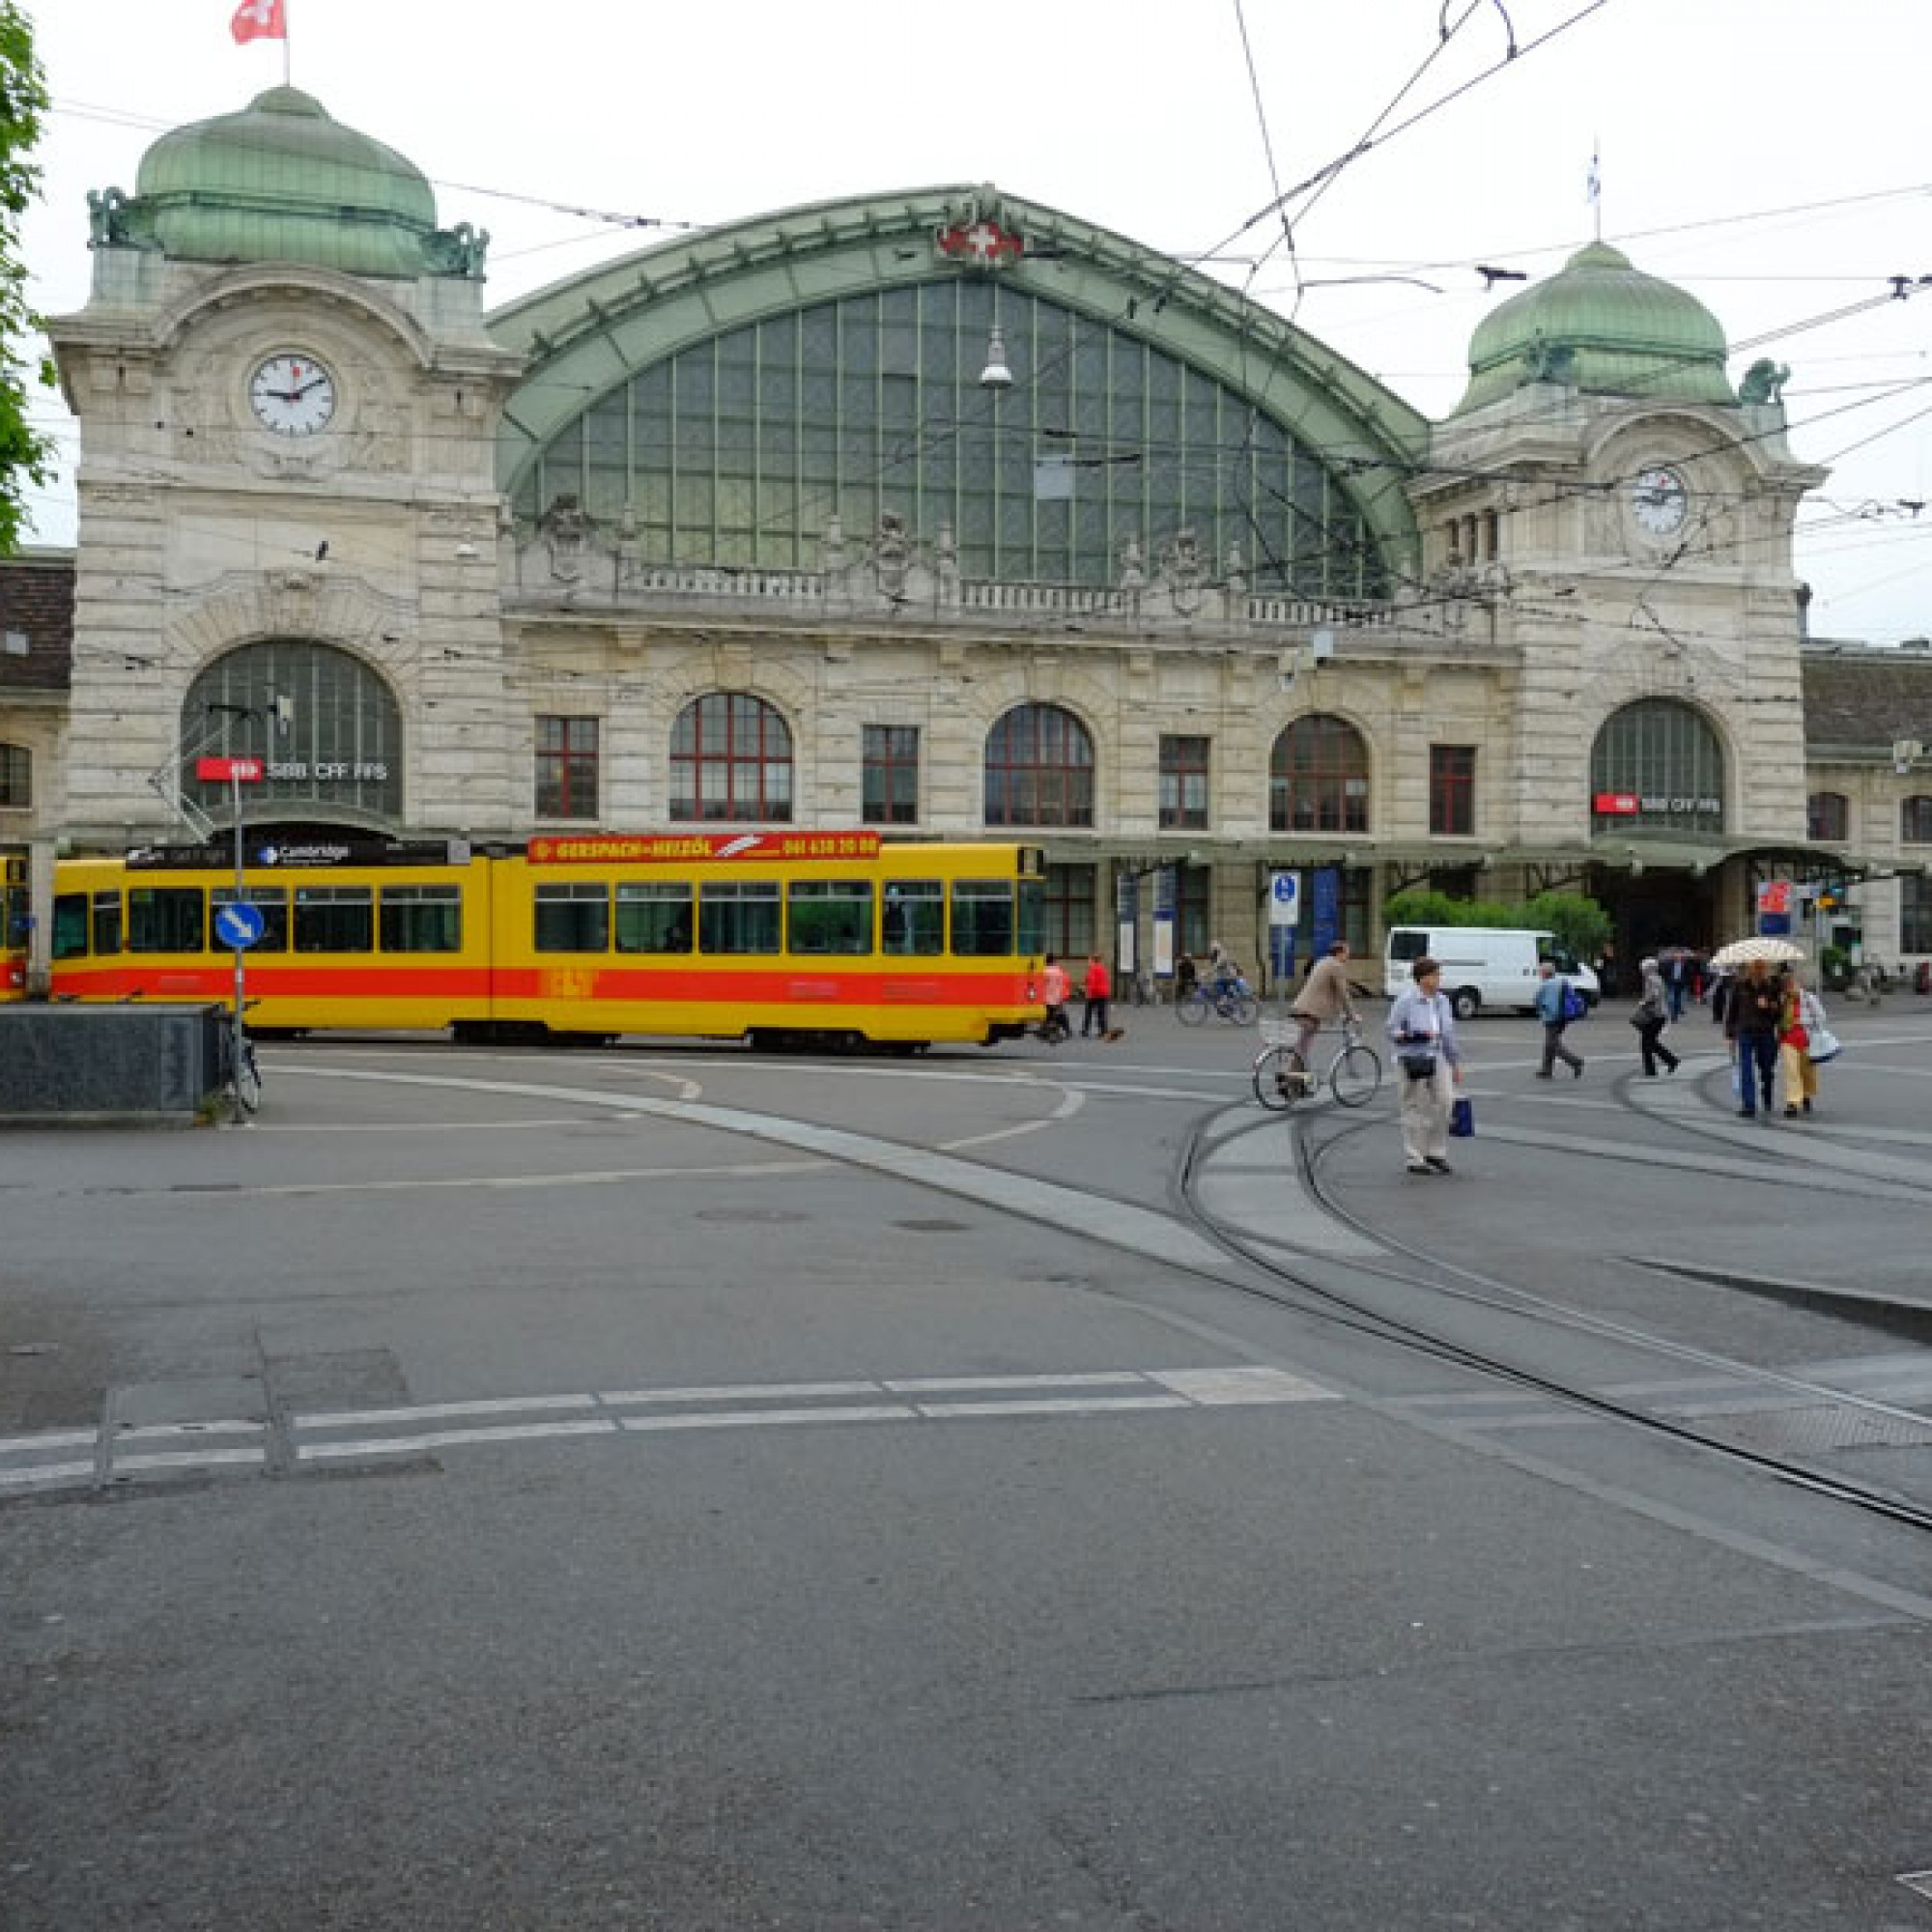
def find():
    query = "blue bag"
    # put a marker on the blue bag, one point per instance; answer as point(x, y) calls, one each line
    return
point(1462, 1119)
point(1575, 1005)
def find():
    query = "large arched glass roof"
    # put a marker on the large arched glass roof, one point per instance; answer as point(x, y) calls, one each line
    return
point(722, 414)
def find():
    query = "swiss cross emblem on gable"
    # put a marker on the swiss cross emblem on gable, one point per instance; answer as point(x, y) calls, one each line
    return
point(982, 243)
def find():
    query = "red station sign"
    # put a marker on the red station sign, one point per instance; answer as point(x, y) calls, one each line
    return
point(226, 771)
point(1617, 804)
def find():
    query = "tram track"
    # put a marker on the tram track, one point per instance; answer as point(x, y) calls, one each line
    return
point(1318, 1290)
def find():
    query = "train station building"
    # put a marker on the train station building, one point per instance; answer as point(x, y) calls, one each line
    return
point(944, 513)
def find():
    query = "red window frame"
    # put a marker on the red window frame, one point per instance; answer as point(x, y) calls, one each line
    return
point(889, 781)
point(1181, 759)
point(1319, 777)
point(568, 758)
point(1451, 791)
point(738, 749)
point(1040, 768)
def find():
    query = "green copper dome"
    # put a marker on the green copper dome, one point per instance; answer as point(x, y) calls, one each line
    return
point(1606, 328)
point(282, 181)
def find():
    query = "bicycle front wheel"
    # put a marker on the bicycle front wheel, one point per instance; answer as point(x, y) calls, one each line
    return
point(1356, 1075)
point(1244, 1010)
point(1192, 1010)
point(1280, 1078)
point(248, 1082)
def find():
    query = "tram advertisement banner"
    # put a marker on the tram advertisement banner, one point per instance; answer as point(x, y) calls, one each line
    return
point(684, 848)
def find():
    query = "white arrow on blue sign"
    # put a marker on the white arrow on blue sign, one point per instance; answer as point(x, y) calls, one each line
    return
point(239, 924)
point(1283, 899)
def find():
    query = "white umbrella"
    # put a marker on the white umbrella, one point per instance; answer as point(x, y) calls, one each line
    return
point(1741, 952)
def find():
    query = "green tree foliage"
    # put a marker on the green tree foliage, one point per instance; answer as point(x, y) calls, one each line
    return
point(1581, 925)
point(26, 456)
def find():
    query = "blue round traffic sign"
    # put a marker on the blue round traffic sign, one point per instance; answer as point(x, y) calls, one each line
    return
point(239, 924)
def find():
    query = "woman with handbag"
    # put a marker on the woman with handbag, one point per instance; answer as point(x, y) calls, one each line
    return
point(1800, 1022)
point(1653, 1010)
point(1422, 1030)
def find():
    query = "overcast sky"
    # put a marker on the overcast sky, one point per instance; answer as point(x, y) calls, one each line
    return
point(1768, 154)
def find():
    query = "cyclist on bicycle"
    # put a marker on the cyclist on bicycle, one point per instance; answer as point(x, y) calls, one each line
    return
point(1325, 998)
point(1223, 977)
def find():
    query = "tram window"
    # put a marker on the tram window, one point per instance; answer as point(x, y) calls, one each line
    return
point(915, 917)
point(574, 918)
point(982, 918)
point(653, 916)
point(739, 917)
point(107, 921)
point(335, 918)
point(829, 916)
point(422, 919)
point(272, 903)
point(165, 918)
point(70, 940)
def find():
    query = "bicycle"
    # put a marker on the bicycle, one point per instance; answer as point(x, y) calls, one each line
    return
point(1233, 1003)
point(1282, 1076)
point(242, 1086)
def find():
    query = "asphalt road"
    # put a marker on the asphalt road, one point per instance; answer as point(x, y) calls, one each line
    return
point(668, 1488)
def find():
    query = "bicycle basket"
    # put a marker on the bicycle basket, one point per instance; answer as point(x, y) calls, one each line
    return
point(1279, 1032)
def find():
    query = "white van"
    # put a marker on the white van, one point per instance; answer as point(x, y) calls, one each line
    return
point(1483, 965)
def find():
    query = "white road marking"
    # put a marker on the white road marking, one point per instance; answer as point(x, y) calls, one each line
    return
point(148, 1431)
point(754, 1405)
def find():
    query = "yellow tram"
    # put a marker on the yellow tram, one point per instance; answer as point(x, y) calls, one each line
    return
point(779, 937)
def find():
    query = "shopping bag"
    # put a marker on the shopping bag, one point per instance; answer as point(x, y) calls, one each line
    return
point(1825, 1046)
point(1462, 1119)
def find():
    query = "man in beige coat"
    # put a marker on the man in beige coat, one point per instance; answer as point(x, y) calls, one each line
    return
point(1325, 998)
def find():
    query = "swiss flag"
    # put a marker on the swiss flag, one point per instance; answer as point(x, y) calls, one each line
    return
point(259, 20)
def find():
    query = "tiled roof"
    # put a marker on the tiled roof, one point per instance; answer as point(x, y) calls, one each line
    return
point(1868, 702)
point(37, 604)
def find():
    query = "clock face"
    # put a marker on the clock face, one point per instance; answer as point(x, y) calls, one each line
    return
point(1660, 501)
point(292, 395)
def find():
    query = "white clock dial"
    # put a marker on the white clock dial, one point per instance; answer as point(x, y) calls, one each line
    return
point(291, 394)
point(1660, 501)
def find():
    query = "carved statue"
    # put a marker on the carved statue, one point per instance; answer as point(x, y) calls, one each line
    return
point(1764, 382)
point(1550, 362)
point(107, 223)
point(1133, 566)
point(460, 250)
point(832, 546)
point(892, 553)
point(566, 530)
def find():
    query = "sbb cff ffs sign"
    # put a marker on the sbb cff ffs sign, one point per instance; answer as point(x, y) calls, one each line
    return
point(228, 771)
point(1617, 804)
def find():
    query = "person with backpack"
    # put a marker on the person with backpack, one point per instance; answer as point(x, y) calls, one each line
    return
point(1557, 1004)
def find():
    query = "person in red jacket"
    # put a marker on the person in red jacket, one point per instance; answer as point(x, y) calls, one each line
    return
point(1099, 991)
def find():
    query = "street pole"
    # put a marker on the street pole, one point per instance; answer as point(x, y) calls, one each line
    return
point(236, 1035)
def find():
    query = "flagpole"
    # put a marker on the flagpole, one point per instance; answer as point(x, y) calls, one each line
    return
point(287, 69)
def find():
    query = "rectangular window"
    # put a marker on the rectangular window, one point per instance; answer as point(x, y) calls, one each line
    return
point(1069, 911)
point(573, 916)
point(1827, 815)
point(889, 779)
point(1915, 913)
point(106, 922)
point(567, 767)
point(16, 778)
point(653, 916)
point(1183, 784)
point(829, 916)
point(335, 918)
point(1915, 821)
point(70, 939)
point(422, 919)
point(1451, 791)
point(165, 918)
point(982, 919)
point(740, 916)
point(272, 903)
point(914, 922)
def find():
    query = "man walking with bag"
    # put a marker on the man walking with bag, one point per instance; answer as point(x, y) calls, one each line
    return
point(1555, 1010)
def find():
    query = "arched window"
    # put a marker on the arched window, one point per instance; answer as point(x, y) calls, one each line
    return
point(1658, 764)
point(1319, 777)
point(324, 724)
point(1828, 816)
point(1915, 821)
point(731, 758)
point(1040, 768)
